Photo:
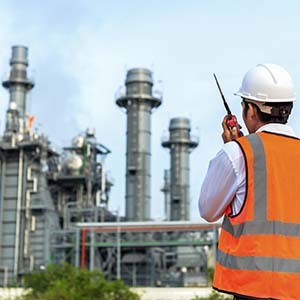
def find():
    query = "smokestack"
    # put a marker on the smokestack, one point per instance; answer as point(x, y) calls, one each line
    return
point(180, 144)
point(138, 102)
point(18, 85)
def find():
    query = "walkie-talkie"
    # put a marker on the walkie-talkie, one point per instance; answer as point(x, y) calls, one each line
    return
point(232, 120)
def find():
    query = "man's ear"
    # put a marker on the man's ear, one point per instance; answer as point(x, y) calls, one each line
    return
point(252, 111)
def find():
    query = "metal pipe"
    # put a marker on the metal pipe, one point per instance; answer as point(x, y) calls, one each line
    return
point(92, 250)
point(77, 247)
point(150, 224)
point(27, 209)
point(166, 190)
point(118, 247)
point(31, 263)
point(83, 238)
point(18, 212)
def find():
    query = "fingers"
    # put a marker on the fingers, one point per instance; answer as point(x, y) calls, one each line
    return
point(224, 124)
point(226, 136)
point(229, 133)
point(234, 133)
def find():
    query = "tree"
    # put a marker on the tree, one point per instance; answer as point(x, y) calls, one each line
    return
point(66, 282)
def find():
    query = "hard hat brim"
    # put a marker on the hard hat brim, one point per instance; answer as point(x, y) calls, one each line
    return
point(241, 94)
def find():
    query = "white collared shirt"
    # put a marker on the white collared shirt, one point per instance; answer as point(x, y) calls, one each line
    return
point(225, 180)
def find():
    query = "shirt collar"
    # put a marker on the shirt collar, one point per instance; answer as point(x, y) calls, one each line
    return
point(278, 128)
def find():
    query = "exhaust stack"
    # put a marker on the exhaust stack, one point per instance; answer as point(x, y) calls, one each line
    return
point(18, 85)
point(180, 144)
point(138, 102)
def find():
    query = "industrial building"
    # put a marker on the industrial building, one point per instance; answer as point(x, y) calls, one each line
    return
point(54, 205)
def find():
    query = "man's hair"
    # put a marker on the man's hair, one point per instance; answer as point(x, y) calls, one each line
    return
point(279, 114)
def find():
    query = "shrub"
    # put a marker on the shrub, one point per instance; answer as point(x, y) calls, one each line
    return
point(66, 282)
point(210, 275)
point(214, 296)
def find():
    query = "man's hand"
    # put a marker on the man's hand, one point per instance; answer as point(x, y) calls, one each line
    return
point(229, 133)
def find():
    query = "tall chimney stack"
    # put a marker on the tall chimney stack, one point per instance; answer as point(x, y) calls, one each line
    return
point(18, 85)
point(180, 144)
point(138, 102)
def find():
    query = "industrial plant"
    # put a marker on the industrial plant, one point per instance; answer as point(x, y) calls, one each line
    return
point(54, 205)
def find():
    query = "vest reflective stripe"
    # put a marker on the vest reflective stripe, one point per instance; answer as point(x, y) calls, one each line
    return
point(260, 245)
point(259, 279)
point(259, 249)
point(260, 177)
point(259, 263)
point(269, 227)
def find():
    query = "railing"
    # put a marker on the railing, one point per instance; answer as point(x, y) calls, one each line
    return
point(121, 92)
point(192, 139)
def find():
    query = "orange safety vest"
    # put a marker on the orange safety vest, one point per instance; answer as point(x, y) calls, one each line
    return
point(259, 248)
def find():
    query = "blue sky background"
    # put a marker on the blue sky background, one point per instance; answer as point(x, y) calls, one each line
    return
point(79, 53)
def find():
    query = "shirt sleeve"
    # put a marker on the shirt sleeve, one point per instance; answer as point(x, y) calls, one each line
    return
point(219, 187)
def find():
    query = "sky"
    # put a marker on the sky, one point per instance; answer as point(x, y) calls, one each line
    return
point(80, 51)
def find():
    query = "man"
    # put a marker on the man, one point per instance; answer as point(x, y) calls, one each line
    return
point(253, 182)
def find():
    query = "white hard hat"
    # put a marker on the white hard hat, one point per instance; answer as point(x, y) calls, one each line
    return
point(267, 83)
